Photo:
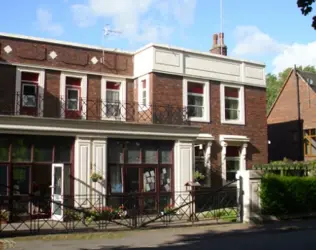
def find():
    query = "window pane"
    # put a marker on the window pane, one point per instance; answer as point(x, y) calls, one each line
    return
point(116, 179)
point(131, 182)
point(195, 100)
point(112, 109)
point(21, 151)
point(43, 152)
point(73, 94)
point(29, 90)
point(63, 153)
point(150, 155)
point(195, 111)
point(133, 153)
point(150, 204)
point(4, 149)
point(116, 152)
point(231, 104)
point(230, 176)
point(165, 155)
point(112, 96)
point(3, 180)
point(29, 101)
point(232, 165)
point(149, 180)
point(72, 104)
point(165, 179)
point(231, 114)
point(20, 180)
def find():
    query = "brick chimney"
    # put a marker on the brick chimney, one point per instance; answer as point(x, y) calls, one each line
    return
point(219, 46)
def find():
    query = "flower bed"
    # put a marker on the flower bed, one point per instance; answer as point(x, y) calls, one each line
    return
point(106, 213)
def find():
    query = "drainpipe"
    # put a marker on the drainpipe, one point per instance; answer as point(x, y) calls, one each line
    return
point(300, 137)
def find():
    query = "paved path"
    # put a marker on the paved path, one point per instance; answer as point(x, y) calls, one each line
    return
point(290, 236)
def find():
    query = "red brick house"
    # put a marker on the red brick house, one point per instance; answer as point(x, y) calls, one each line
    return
point(284, 125)
point(142, 120)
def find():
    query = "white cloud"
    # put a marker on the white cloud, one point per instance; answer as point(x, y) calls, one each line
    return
point(44, 22)
point(138, 20)
point(251, 41)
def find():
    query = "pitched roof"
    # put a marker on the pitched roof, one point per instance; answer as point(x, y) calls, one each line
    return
point(307, 77)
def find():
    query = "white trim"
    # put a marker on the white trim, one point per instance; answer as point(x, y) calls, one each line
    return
point(122, 97)
point(142, 107)
point(205, 137)
point(241, 120)
point(234, 138)
point(40, 91)
point(206, 98)
point(62, 92)
point(70, 71)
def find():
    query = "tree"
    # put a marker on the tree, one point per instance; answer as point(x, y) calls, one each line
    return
point(275, 83)
point(306, 8)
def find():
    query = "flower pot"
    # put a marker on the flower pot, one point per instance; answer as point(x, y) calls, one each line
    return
point(94, 179)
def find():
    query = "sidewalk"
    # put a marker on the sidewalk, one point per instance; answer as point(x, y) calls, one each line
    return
point(158, 237)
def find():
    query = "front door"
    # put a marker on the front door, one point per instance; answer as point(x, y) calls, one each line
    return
point(57, 191)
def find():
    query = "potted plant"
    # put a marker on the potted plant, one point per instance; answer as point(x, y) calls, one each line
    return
point(96, 177)
point(4, 216)
point(198, 176)
point(168, 211)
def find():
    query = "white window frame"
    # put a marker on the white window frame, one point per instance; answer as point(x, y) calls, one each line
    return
point(83, 92)
point(241, 120)
point(67, 98)
point(122, 98)
point(206, 98)
point(236, 158)
point(141, 90)
point(39, 91)
point(22, 94)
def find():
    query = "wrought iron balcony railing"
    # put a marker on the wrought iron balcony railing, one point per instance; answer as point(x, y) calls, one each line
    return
point(91, 109)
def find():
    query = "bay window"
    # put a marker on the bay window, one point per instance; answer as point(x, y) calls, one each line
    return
point(232, 104)
point(196, 97)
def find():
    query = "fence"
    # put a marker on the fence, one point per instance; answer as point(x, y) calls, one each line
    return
point(37, 215)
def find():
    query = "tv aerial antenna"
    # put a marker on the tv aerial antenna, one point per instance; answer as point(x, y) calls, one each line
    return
point(106, 33)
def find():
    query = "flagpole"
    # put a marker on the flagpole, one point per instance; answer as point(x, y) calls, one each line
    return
point(221, 24)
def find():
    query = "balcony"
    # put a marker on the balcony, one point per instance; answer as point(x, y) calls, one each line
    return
point(49, 106)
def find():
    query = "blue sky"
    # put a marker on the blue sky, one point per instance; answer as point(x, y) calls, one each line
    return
point(272, 32)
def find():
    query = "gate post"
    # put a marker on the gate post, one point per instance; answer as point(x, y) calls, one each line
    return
point(248, 195)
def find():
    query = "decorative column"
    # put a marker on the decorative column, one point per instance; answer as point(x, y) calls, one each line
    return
point(224, 147)
point(243, 156)
point(208, 163)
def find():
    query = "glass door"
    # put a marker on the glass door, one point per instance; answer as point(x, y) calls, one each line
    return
point(57, 209)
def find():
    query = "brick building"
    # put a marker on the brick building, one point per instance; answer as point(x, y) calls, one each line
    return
point(290, 137)
point(142, 120)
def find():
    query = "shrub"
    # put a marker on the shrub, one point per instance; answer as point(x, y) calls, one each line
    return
point(284, 195)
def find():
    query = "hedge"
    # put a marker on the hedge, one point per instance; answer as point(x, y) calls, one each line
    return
point(286, 195)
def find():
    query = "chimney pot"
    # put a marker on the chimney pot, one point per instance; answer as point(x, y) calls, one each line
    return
point(221, 38)
point(215, 40)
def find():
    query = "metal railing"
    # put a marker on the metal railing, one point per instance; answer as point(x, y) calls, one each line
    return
point(51, 106)
point(31, 214)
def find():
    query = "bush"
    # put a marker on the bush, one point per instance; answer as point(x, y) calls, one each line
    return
point(285, 195)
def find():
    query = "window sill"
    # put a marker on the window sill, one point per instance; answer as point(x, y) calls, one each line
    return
point(233, 122)
point(198, 119)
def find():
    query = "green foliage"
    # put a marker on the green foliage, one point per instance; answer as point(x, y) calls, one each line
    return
point(306, 8)
point(285, 195)
point(275, 83)
point(198, 176)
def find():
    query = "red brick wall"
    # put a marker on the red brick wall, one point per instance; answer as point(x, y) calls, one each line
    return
point(37, 53)
point(285, 109)
point(7, 89)
point(93, 100)
point(168, 89)
point(51, 96)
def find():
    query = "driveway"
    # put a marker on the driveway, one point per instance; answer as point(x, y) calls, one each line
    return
point(222, 237)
